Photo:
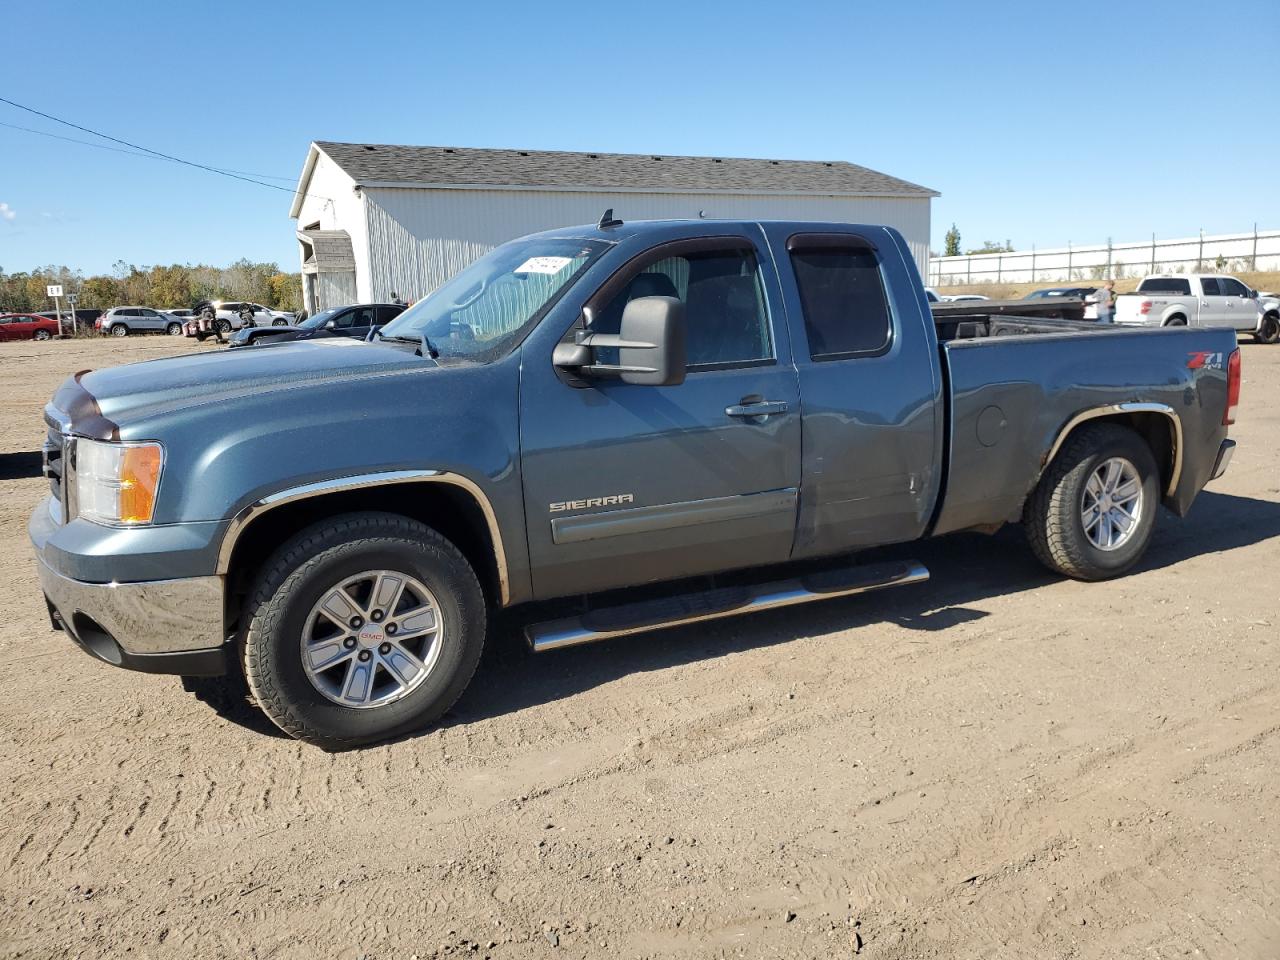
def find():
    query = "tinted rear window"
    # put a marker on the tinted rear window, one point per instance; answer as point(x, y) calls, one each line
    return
point(1175, 285)
point(846, 313)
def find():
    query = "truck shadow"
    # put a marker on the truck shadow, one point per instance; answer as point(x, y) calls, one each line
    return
point(966, 568)
point(20, 466)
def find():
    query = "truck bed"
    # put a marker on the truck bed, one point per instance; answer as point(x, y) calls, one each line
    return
point(1014, 389)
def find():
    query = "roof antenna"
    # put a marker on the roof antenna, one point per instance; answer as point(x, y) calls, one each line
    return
point(608, 221)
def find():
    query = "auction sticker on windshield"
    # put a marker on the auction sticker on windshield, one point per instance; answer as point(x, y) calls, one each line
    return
point(544, 265)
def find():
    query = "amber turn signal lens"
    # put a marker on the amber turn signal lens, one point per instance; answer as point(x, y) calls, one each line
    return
point(139, 477)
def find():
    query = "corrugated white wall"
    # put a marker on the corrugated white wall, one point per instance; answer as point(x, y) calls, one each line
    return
point(332, 201)
point(418, 238)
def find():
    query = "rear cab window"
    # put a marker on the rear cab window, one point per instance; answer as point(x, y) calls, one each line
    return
point(1176, 286)
point(842, 296)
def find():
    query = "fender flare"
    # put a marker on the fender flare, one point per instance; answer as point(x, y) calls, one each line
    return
point(1120, 409)
point(242, 519)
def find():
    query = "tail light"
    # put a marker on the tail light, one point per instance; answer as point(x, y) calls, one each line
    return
point(97, 323)
point(1145, 308)
point(1233, 389)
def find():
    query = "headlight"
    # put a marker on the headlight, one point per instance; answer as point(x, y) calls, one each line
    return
point(116, 482)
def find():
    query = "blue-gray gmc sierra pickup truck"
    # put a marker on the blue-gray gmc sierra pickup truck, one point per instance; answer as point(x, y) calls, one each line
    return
point(585, 410)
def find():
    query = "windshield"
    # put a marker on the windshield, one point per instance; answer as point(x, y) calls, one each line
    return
point(484, 311)
point(320, 319)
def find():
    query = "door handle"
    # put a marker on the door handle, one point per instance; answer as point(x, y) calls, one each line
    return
point(759, 408)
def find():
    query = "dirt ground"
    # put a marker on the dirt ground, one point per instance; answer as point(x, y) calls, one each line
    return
point(998, 763)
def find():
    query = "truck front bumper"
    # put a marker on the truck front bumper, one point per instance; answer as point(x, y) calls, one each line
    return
point(157, 626)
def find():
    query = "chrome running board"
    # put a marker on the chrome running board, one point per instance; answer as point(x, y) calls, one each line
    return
point(630, 618)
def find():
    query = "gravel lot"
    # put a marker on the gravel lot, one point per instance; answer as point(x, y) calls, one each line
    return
point(995, 764)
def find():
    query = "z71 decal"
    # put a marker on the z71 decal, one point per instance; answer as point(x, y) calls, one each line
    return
point(1207, 359)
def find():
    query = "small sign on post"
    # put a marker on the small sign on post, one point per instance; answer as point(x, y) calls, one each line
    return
point(54, 290)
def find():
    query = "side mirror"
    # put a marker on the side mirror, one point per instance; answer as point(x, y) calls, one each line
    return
point(651, 346)
point(330, 324)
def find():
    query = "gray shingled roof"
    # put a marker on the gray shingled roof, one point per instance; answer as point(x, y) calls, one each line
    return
point(385, 163)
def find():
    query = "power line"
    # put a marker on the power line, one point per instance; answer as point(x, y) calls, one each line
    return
point(148, 150)
point(128, 153)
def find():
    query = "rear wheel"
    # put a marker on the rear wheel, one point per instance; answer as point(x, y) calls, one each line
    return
point(1269, 331)
point(362, 628)
point(1093, 512)
point(277, 322)
point(119, 330)
point(1177, 320)
point(174, 329)
point(42, 335)
point(224, 327)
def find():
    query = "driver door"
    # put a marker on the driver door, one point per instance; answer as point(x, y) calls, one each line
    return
point(627, 484)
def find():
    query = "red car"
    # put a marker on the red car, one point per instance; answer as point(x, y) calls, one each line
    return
point(26, 326)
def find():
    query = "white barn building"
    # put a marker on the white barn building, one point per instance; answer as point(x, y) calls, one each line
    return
point(374, 219)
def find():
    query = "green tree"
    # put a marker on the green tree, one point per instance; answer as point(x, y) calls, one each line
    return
point(952, 248)
point(286, 291)
point(101, 293)
point(993, 246)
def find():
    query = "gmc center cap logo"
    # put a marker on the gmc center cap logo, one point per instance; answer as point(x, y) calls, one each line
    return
point(371, 635)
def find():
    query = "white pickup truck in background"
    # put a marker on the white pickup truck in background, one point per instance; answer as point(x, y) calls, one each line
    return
point(1198, 300)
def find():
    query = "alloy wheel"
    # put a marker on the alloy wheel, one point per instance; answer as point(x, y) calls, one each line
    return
point(1111, 504)
point(372, 639)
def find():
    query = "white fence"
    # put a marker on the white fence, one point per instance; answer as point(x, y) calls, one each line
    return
point(1228, 253)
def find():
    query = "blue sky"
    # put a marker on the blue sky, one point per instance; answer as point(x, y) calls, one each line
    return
point(1039, 123)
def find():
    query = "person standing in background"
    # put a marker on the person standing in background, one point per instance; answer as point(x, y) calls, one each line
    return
point(1105, 299)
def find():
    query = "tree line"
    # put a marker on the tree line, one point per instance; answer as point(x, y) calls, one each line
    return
point(164, 287)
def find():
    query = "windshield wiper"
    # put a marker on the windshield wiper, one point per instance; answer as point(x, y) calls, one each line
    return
point(422, 340)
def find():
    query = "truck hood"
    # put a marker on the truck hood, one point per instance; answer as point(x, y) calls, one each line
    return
point(99, 403)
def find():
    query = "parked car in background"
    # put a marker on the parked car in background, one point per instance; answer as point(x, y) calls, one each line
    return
point(931, 295)
point(84, 318)
point(233, 311)
point(184, 314)
point(1269, 304)
point(959, 297)
point(1078, 292)
point(356, 321)
point(1195, 300)
point(122, 321)
point(27, 326)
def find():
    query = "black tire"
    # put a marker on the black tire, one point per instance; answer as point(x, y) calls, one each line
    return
point(174, 329)
point(1177, 320)
point(299, 574)
point(1054, 514)
point(1269, 332)
point(278, 322)
point(119, 330)
point(224, 327)
point(42, 335)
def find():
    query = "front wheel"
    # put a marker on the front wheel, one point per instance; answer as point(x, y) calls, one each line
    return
point(224, 327)
point(42, 335)
point(1094, 510)
point(1269, 332)
point(362, 628)
point(174, 329)
point(277, 322)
